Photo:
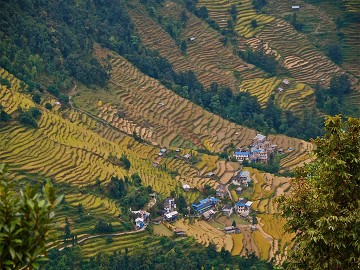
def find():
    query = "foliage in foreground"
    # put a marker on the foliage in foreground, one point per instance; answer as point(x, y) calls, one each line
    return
point(25, 219)
point(171, 254)
point(324, 207)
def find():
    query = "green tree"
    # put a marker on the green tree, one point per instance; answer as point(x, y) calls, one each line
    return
point(48, 106)
point(36, 98)
point(324, 206)
point(203, 12)
point(125, 162)
point(67, 230)
point(254, 23)
point(25, 218)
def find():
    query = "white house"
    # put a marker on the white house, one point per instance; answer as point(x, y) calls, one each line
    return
point(243, 207)
point(186, 187)
point(139, 223)
point(172, 216)
point(227, 210)
point(169, 205)
point(259, 138)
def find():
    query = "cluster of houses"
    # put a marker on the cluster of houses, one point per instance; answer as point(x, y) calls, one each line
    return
point(141, 219)
point(242, 208)
point(258, 151)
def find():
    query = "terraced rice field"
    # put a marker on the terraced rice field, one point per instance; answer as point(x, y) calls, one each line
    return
point(238, 244)
point(261, 88)
point(206, 55)
point(299, 56)
point(166, 114)
point(71, 152)
point(152, 107)
point(204, 233)
point(134, 242)
point(296, 99)
point(94, 205)
point(11, 99)
point(270, 238)
point(262, 244)
point(218, 11)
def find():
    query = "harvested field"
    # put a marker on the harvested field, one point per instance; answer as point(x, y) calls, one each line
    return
point(172, 118)
point(204, 233)
point(205, 55)
point(262, 244)
point(304, 61)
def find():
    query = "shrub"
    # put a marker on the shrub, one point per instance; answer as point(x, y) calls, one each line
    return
point(35, 112)
point(254, 23)
point(64, 99)
point(36, 98)
point(5, 82)
point(27, 119)
point(52, 89)
point(48, 106)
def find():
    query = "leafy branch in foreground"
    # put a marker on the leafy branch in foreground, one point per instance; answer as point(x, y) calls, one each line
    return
point(324, 207)
point(25, 218)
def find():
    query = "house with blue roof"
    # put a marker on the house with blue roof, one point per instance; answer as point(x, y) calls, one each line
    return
point(241, 156)
point(242, 178)
point(205, 205)
point(243, 207)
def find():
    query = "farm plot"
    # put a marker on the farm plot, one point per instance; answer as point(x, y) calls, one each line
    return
point(305, 62)
point(174, 119)
point(169, 116)
point(296, 99)
point(218, 11)
point(261, 88)
point(238, 244)
point(71, 152)
point(205, 55)
point(204, 233)
point(134, 242)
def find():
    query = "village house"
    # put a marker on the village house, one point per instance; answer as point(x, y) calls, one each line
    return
point(231, 229)
point(227, 210)
point(205, 205)
point(169, 205)
point(238, 190)
point(243, 207)
point(242, 178)
point(141, 218)
point(186, 187)
point(221, 191)
point(208, 214)
point(259, 138)
point(139, 223)
point(241, 156)
point(171, 216)
point(179, 232)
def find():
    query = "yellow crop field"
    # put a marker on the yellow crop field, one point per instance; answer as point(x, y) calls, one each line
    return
point(204, 233)
point(238, 244)
point(262, 244)
point(218, 11)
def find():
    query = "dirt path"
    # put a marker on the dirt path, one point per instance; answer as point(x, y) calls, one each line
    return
point(248, 242)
